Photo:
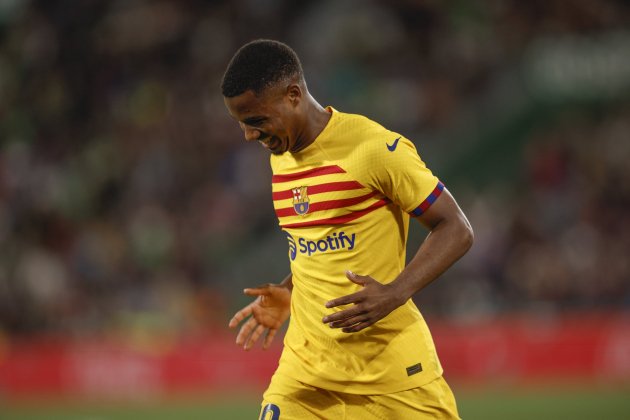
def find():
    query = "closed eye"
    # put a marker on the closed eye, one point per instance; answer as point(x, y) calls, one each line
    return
point(255, 121)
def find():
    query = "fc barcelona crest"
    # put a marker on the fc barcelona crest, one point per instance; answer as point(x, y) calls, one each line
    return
point(300, 200)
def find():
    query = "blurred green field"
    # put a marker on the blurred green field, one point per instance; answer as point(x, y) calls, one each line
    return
point(513, 404)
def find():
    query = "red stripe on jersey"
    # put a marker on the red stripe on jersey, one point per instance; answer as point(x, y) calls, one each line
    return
point(327, 205)
point(321, 188)
point(322, 170)
point(340, 219)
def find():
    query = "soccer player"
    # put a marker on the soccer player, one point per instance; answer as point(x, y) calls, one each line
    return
point(344, 190)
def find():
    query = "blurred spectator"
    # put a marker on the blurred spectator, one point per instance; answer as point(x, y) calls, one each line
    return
point(128, 199)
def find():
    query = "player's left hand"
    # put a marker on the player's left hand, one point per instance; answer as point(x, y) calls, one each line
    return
point(371, 304)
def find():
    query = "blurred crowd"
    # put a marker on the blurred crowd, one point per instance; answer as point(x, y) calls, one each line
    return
point(557, 239)
point(129, 201)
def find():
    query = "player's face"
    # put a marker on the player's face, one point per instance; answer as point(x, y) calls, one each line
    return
point(269, 118)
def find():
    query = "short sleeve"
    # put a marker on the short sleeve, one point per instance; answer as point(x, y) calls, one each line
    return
point(394, 168)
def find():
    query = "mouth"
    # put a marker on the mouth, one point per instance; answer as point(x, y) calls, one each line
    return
point(272, 144)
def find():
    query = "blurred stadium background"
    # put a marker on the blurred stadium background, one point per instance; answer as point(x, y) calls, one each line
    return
point(132, 214)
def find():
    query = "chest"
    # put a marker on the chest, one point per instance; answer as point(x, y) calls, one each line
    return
point(320, 195)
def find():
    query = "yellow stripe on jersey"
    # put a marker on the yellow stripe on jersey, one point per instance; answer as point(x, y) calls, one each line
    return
point(344, 203)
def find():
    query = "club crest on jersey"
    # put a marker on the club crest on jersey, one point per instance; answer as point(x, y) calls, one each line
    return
point(300, 200)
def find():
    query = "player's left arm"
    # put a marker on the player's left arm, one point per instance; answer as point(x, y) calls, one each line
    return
point(449, 239)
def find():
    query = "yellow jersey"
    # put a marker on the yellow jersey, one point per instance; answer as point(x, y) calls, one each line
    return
point(344, 203)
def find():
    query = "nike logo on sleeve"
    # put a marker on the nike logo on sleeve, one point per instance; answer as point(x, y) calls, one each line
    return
point(393, 146)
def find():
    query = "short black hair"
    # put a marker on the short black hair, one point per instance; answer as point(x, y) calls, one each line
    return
point(258, 65)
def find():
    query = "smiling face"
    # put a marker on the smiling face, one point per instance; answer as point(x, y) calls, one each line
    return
point(272, 117)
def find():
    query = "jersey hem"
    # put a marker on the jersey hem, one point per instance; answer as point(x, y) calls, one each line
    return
point(359, 388)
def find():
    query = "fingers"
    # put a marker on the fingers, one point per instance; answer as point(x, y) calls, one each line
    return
point(355, 297)
point(345, 300)
point(262, 290)
point(343, 315)
point(358, 327)
point(257, 291)
point(251, 331)
point(240, 316)
point(271, 333)
point(246, 330)
point(356, 278)
point(254, 337)
point(350, 321)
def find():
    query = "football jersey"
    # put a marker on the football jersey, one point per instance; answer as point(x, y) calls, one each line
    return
point(344, 203)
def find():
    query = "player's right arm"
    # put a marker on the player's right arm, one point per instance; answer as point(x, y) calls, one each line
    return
point(267, 313)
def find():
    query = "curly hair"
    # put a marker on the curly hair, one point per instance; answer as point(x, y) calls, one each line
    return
point(258, 65)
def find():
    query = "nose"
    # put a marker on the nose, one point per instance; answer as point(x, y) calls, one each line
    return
point(251, 134)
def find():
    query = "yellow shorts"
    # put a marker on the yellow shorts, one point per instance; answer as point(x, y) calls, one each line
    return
point(288, 399)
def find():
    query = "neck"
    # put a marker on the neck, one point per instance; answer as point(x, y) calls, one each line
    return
point(315, 120)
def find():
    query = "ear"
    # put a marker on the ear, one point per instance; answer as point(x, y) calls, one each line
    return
point(294, 93)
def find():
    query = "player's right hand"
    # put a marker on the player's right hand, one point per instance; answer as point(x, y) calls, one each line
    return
point(266, 315)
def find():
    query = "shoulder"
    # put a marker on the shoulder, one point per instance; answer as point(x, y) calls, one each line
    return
point(359, 124)
point(361, 135)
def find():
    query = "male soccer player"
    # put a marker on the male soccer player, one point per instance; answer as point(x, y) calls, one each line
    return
point(344, 189)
